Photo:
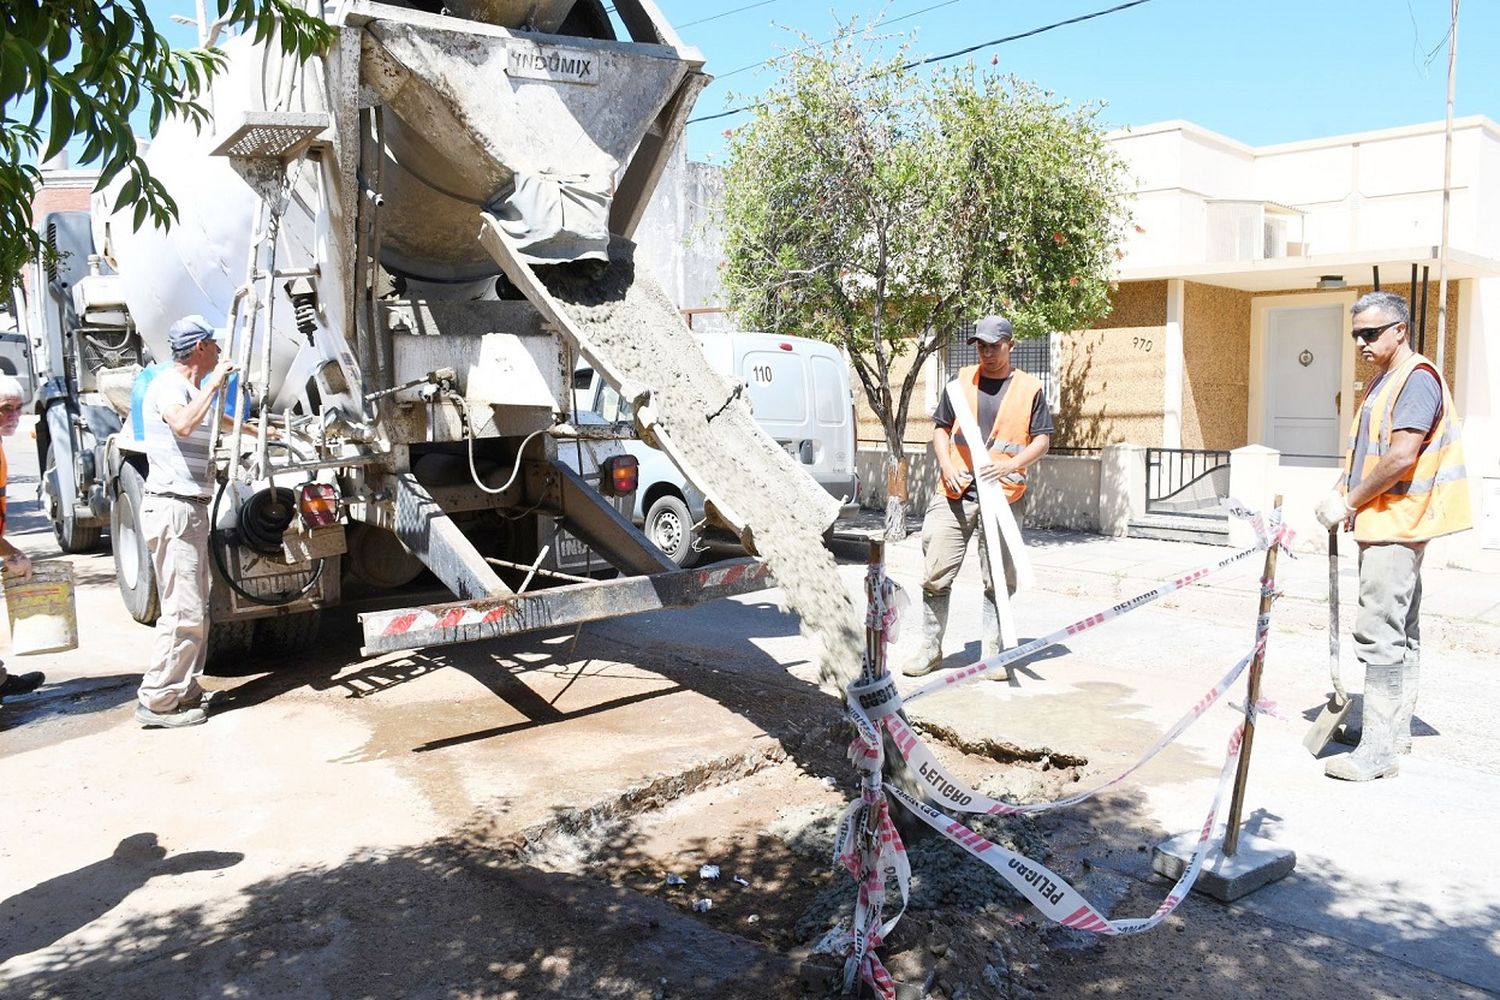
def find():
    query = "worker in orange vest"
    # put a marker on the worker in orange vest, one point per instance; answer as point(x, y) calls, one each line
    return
point(1013, 406)
point(1403, 484)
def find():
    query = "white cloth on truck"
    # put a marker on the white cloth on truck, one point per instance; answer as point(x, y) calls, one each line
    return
point(554, 217)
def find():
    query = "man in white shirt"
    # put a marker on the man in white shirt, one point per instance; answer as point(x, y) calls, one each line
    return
point(174, 521)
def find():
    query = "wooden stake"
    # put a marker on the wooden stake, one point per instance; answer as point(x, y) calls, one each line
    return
point(1252, 695)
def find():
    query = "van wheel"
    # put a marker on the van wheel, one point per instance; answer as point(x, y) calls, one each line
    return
point(670, 528)
point(133, 569)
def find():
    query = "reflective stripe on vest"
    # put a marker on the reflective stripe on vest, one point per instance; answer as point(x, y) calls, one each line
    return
point(1012, 428)
point(1432, 497)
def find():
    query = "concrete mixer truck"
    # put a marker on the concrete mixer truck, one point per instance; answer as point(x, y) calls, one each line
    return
point(410, 242)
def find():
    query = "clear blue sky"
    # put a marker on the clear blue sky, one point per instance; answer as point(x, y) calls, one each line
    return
point(1261, 71)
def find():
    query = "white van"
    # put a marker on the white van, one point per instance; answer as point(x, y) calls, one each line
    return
point(800, 395)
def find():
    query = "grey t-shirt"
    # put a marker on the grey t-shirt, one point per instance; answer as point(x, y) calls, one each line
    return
point(1416, 409)
point(991, 392)
point(1418, 405)
point(178, 466)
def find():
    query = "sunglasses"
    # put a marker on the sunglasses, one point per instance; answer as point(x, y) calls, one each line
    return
point(1370, 334)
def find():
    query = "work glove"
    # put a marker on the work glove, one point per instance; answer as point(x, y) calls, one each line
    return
point(1333, 510)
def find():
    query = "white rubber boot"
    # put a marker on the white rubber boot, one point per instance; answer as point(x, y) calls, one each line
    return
point(929, 655)
point(989, 627)
point(1375, 757)
point(989, 635)
point(1410, 672)
point(1350, 732)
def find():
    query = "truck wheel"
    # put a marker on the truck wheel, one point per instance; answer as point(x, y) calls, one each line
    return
point(75, 537)
point(229, 648)
point(670, 528)
point(286, 634)
point(133, 569)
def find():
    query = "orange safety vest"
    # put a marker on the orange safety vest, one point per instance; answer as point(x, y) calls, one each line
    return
point(1432, 497)
point(1012, 430)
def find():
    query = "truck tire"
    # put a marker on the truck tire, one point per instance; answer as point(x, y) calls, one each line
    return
point(287, 634)
point(133, 570)
point(670, 528)
point(229, 648)
point(72, 537)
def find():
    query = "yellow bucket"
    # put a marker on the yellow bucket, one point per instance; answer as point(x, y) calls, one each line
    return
point(43, 617)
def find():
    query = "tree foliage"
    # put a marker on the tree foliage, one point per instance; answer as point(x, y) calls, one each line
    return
point(78, 69)
point(872, 207)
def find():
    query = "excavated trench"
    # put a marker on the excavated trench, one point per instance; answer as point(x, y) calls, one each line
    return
point(742, 843)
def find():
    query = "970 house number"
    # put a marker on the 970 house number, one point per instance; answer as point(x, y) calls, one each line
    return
point(1141, 344)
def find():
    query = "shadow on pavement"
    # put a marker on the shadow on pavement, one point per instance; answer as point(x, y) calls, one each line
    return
point(75, 697)
point(447, 919)
point(47, 912)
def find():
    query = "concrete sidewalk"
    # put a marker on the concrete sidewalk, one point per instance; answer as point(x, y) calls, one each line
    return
point(1388, 866)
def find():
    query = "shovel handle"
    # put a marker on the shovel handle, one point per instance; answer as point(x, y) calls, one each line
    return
point(1333, 614)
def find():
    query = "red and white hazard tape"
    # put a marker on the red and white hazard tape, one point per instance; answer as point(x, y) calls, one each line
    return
point(869, 846)
point(1093, 621)
point(952, 793)
point(1049, 892)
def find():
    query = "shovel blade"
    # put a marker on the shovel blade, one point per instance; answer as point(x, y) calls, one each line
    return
point(1328, 721)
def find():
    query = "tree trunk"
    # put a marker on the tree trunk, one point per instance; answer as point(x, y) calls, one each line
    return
point(896, 496)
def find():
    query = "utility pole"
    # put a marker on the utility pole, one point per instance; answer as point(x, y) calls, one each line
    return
point(1442, 316)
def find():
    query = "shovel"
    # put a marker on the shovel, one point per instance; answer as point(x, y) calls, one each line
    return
point(1333, 713)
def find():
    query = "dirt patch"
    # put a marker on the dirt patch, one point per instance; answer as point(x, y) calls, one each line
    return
point(749, 853)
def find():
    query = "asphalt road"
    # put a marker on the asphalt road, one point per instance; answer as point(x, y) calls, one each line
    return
point(341, 825)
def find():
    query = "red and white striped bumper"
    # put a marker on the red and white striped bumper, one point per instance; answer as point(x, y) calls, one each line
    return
point(488, 618)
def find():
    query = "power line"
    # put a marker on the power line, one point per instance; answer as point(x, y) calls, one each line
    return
point(1026, 34)
point(814, 45)
point(947, 55)
point(715, 17)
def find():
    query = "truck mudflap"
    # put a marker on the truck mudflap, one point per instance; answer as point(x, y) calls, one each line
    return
point(490, 618)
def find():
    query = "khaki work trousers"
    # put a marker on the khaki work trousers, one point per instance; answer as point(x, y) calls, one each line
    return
point(1387, 628)
point(946, 529)
point(176, 534)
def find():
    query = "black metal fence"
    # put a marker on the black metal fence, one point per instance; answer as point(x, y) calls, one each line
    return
point(1187, 482)
point(1032, 356)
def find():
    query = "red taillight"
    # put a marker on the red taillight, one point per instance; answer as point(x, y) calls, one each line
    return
point(619, 475)
point(785, 346)
point(318, 503)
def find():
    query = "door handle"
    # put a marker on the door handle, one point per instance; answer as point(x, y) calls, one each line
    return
point(1338, 401)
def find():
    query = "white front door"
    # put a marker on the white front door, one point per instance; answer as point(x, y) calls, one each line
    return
point(1303, 353)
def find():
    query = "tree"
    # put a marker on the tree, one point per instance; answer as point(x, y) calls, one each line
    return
point(870, 207)
point(86, 66)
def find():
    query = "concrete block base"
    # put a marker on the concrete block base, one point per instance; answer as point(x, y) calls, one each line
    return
point(1257, 862)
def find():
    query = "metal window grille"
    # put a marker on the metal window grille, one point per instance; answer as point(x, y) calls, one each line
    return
point(1035, 357)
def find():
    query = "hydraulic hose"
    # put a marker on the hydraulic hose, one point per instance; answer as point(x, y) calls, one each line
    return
point(216, 549)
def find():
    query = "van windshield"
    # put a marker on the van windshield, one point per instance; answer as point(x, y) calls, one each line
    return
point(613, 407)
